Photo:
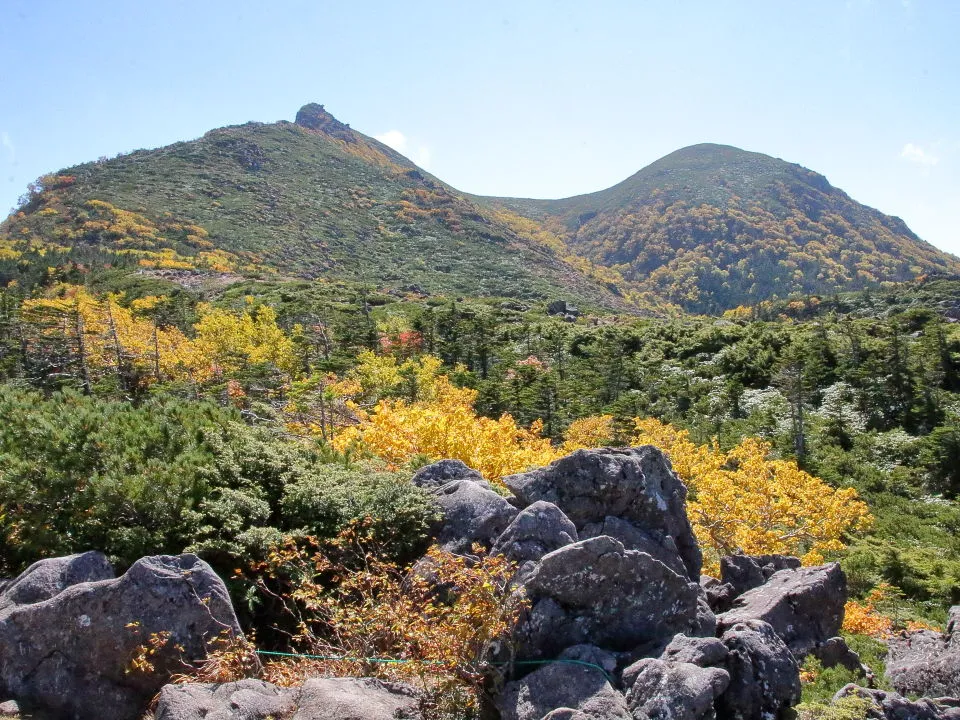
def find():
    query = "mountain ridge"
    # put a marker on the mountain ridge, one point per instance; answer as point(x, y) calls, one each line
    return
point(316, 198)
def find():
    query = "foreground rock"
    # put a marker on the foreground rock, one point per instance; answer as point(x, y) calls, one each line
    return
point(539, 529)
point(764, 676)
point(926, 662)
point(472, 514)
point(804, 606)
point(71, 654)
point(634, 485)
point(438, 474)
point(880, 705)
point(566, 690)
point(318, 699)
point(46, 578)
point(675, 691)
point(746, 572)
point(247, 699)
point(597, 592)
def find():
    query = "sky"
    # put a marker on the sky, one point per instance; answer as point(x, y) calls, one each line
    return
point(530, 99)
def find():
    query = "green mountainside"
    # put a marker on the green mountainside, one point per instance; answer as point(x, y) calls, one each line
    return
point(712, 227)
point(307, 199)
point(706, 228)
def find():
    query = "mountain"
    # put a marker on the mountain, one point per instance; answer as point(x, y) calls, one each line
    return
point(308, 199)
point(706, 228)
point(712, 226)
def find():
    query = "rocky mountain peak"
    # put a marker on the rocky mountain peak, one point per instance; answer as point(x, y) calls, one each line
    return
point(313, 116)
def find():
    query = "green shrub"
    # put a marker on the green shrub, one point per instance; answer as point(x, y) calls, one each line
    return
point(78, 473)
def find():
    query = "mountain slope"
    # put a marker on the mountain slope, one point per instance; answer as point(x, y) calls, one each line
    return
point(310, 199)
point(707, 227)
point(713, 226)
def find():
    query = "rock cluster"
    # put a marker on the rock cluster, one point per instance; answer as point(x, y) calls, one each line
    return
point(611, 571)
point(619, 624)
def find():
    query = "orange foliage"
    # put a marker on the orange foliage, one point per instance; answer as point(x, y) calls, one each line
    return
point(745, 500)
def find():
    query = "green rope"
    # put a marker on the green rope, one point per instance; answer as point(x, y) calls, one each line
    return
point(391, 661)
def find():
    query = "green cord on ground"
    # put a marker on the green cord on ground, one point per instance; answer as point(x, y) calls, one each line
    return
point(392, 661)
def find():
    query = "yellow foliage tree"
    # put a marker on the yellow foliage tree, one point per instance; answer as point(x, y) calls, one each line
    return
point(110, 338)
point(589, 432)
point(113, 339)
point(446, 426)
point(383, 375)
point(745, 500)
point(229, 342)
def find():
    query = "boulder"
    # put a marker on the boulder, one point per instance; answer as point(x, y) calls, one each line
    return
point(471, 514)
point(566, 714)
point(662, 690)
point(9, 708)
point(720, 596)
point(835, 651)
point(317, 699)
point(702, 651)
point(356, 699)
point(243, 700)
point(657, 546)
point(72, 654)
point(441, 472)
point(636, 485)
point(804, 606)
point(881, 705)
point(925, 662)
point(566, 690)
point(597, 592)
point(764, 676)
point(538, 529)
point(46, 578)
point(706, 624)
point(746, 572)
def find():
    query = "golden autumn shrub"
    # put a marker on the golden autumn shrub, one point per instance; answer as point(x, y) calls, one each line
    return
point(589, 432)
point(447, 426)
point(867, 618)
point(745, 500)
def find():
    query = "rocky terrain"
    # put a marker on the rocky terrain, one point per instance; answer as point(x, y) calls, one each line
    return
point(619, 618)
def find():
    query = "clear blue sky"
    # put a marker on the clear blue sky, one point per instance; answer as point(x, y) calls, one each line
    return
point(541, 99)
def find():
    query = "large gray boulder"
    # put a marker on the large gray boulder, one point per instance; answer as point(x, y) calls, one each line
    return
point(597, 592)
point(804, 606)
point(663, 690)
point(317, 699)
point(881, 705)
point(925, 662)
point(471, 514)
point(243, 700)
point(702, 651)
point(539, 529)
point(356, 699)
point(71, 654)
point(659, 546)
point(764, 676)
point(46, 578)
point(438, 474)
point(746, 572)
point(636, 485)
point(566, 690)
